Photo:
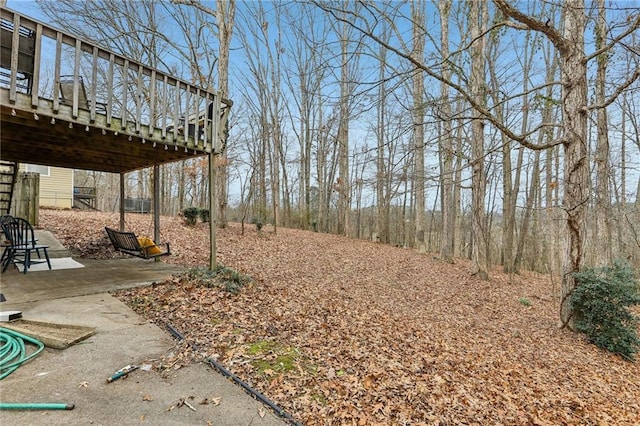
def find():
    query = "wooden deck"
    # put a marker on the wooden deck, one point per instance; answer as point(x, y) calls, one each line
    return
point(69, 103)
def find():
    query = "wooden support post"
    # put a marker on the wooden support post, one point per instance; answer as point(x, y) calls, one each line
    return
point(27, 197)
point(122, 176)
point(156, 205)
point(213, 215)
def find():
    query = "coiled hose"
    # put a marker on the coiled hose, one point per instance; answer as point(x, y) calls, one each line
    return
point(13, 351)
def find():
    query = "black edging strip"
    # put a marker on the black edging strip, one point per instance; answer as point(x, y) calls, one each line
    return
point(175, 333)
point(229, 375)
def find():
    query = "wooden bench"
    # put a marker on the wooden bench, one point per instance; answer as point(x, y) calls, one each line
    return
point(127, 242)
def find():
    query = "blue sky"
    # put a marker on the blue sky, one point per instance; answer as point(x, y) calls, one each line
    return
point(360, 128)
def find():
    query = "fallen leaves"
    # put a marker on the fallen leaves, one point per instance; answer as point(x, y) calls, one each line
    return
point(341, 331)
point(213, 400)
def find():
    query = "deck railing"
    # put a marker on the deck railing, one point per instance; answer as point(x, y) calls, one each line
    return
point(84, 191)
point(90, 85)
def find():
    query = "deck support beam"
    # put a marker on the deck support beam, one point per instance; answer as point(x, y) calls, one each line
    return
point(156, 205)
point(121, 225)
point(213, 211)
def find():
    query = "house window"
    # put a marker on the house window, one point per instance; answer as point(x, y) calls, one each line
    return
point(43, 170)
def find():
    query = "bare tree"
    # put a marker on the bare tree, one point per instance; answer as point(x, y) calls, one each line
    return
point(343, 184)
point(417, 18)
point(447, 235)
point(382, 175)
point(570, 45)
point(478, 16)
point(602, 156)
point(305, 78)
point(224, 14)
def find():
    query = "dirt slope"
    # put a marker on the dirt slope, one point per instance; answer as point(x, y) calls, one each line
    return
point(341, 331)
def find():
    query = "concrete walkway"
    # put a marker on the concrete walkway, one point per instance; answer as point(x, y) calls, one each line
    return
point(78, 374)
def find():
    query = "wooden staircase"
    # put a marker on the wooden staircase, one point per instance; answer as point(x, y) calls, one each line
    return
point(83, 205)
point(8, 176)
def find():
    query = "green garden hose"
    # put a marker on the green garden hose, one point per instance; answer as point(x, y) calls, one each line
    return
point(35, 406)
point(13, 351)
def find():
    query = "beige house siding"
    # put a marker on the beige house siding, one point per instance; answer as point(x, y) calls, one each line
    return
point(56, 186)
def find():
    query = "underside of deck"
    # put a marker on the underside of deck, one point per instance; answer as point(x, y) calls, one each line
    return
point(38, 136)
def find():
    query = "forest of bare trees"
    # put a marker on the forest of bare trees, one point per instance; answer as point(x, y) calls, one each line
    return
point(502, 132)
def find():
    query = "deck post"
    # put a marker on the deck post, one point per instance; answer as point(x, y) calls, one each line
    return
point(213, 215)
point(156, 205)
point(121, 202)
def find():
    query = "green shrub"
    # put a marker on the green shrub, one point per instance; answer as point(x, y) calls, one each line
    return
point(204, 215)
point(601, 301)
point(223, 277)
point(524, 301)
point(190, 215)
point(257, 223)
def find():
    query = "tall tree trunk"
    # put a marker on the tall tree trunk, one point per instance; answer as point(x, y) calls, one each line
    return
point(531, 197)
point(603, 196)
point(225, 16)
point(262, 169)
point(457, 212)
point(622, 204)
point(573, 69)
point(344, 192)
point(511, 185)
point(478, 178)
point(274, 173)
point(576, 160)
point(417, 17)
point(182, 186)
point(323, 136)
point(382, 212)
point(447, 234)
point(275, 95)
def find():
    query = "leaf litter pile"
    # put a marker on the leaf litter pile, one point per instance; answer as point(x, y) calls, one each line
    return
point(340, 331)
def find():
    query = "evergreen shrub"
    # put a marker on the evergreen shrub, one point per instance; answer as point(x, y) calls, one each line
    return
point(601, 303)
point(190, 215)
point(204, 215)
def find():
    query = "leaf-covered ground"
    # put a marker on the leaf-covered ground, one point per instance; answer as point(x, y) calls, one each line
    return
point(342, 331)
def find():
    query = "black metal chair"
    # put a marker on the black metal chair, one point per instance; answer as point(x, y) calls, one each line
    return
point(22, 243)
point(4, 240)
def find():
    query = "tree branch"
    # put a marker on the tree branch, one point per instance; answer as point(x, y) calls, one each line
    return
point(617, 92)
point(532, 24)
point(197, 5)
point(634, 26)
point(522, 139)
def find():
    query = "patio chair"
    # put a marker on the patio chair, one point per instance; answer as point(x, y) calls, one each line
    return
point(202, 119)
point(22, 243)
point(26, 53)
point(4, 240)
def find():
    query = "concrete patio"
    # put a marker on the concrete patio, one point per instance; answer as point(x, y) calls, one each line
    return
point(97, 276)
point(77, 375)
